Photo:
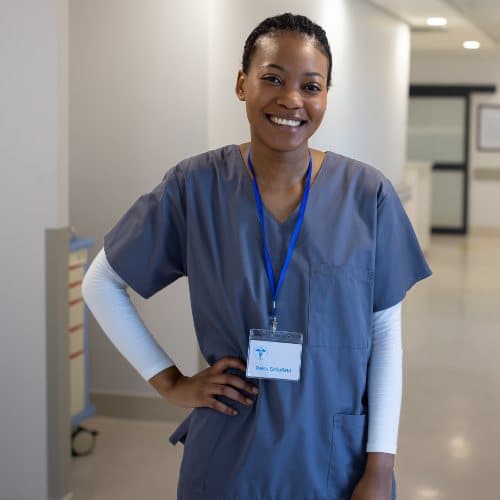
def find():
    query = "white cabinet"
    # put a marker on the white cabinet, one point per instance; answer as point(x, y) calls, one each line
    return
point(80, 405)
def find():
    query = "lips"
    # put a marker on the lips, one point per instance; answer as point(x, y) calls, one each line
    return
point(287, 122)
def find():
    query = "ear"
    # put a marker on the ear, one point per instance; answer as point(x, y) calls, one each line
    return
point(240, 85)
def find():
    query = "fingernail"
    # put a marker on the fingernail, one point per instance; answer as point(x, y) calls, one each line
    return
point(255, 390)
point(248, 401)
point(235, 412)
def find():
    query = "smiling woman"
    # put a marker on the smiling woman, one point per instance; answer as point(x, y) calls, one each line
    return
point(297, 261)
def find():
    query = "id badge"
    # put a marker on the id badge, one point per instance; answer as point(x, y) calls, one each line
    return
point(274, 355)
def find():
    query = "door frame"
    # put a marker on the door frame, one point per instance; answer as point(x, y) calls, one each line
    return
point(464, 91)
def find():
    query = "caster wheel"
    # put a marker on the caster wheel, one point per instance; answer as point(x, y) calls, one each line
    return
point(82, 441)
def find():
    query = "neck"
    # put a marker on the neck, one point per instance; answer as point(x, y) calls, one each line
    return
point(278, 169)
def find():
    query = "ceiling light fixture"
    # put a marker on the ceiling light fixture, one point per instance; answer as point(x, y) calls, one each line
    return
point(471, 44)
point(437, 21)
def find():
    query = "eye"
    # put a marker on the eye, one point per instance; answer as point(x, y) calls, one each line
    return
point(312, 87)
point(276, 80)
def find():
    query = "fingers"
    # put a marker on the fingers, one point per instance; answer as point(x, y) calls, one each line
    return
point(235, 381)
point(231, 362)
point(228, 362)
point(222, 408)
point(229, 392)
point(226, 384)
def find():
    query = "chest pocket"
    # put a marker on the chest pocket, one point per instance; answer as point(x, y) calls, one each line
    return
point(340, 306)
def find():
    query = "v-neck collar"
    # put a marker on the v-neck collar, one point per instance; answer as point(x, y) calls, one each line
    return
point(248, 181)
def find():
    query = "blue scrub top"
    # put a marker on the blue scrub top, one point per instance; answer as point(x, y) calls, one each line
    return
point(356, 253)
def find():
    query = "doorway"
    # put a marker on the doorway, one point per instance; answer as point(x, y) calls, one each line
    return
point(438, 132)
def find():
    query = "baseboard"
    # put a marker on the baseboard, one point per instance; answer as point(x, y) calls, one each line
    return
point(66, 497)
point(136, 407)
point(484, 231)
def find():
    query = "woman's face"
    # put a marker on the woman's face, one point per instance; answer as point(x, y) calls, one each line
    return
point(285, 91)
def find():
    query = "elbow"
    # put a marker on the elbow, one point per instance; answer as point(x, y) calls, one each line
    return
point(86, 287)
point(90, 284)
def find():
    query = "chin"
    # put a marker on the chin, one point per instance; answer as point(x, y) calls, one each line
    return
point(286, 146)
point(282, 145)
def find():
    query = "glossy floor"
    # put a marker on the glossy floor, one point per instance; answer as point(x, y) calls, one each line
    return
point(449, 440)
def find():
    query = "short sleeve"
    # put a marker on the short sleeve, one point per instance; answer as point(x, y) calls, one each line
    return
point(399, 261)
point(147, 246)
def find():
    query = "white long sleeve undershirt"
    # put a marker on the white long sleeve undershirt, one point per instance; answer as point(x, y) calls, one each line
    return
point(105, 293)
point(385, 381)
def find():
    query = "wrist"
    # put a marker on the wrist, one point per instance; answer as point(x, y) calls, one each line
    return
point(380, 464)
point(165, 380)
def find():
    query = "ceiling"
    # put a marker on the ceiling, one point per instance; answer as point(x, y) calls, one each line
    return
point(467, 20)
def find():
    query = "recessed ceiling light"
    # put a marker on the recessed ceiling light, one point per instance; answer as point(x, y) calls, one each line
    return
point(471, 44)
point(437, 21)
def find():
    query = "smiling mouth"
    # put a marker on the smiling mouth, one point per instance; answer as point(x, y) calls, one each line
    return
point(283, 121)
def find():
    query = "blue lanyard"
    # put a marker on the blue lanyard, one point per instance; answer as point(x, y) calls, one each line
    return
point(275, 289)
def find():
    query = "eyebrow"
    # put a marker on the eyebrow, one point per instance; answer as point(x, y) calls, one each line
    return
point(281, 68)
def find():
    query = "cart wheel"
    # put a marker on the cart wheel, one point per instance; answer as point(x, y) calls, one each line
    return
point(82, 441)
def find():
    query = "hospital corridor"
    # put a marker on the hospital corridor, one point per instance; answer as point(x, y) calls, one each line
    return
point(197, 192)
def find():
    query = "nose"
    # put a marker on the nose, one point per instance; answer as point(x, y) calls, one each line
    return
point(290, 99)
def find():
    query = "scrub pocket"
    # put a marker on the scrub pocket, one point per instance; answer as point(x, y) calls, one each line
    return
point(200, 435)
point(339, 306)
point(348, 454)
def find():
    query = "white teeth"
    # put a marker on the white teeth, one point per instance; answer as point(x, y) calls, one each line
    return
point(282, 121)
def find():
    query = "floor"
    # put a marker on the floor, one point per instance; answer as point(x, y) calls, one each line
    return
point(449, 439)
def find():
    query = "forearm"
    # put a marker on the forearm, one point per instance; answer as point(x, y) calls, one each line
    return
point(376, 482)
point(384, 389)
point(106, 296)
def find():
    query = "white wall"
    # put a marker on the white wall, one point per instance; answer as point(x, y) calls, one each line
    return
point(138, 105)
point(33, 88)
point(367, 109)
point(475, 68)
point(153, 82)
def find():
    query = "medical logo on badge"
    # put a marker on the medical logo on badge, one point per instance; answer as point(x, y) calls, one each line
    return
point(260, 351)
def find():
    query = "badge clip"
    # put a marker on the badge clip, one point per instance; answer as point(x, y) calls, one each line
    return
point(274, 319)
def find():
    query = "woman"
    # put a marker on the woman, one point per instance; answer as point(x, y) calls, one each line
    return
point(274, 237)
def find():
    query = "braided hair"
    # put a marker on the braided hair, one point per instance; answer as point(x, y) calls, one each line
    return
point(290, 23)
